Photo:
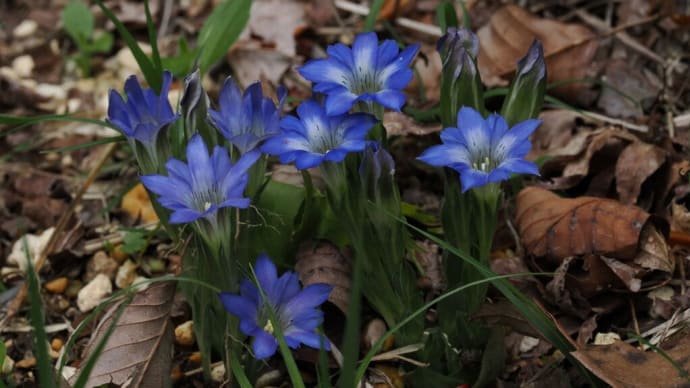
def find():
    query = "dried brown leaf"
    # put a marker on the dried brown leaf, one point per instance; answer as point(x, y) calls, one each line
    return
point(557, 228)
point(636, 163)
point(140, 349)
point(322, 262)
point(568, 49)
point(622, 365)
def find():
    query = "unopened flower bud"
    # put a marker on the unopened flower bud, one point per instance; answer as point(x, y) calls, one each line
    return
point(526, 93)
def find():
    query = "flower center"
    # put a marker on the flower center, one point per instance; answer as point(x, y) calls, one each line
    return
point(364, 81)
point(484, 164)
point(203, 200)
point(268, 328)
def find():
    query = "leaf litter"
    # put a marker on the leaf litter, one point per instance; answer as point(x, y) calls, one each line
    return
point(602, 227)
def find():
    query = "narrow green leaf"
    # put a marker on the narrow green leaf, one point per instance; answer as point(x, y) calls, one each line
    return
point(221, 29)
point(44, 364)
point(153, 38)
point(373, 15)
point(153, 75)
point(446, 16)
point(78, 21)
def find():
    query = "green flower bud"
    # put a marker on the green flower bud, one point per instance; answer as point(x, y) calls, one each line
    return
point(526, 94)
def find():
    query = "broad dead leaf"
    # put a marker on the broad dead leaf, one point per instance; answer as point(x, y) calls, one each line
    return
point(568, 49)
point(140, 349)
point(622, 365)
point(137, 204)
point(636, 163)
point(556, 228)
point(322, 262)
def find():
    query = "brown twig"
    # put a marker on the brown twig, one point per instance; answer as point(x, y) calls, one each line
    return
point(18, 300)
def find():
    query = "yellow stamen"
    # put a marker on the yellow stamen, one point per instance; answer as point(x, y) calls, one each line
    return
point(269, 327)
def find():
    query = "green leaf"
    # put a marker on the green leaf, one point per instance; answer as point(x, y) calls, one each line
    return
point(221, 29)
point(181, 64)
point(153, 75)
point(102, 44)
point(78, 21)
point(134, 241)
point(445, 14)
point(374, 11)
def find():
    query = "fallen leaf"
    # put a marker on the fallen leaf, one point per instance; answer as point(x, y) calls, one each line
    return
point(400, 124)
point(568, 49)
point(635, 165)
point(622, 365)
point(275, 22)
point(557, 129)
point(139, 351)
point(628, 87)
point(136, 203)
point(556, 228)
point(322, 262)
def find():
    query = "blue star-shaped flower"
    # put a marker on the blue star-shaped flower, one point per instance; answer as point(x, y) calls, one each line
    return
point(316, 137)
point(296, 310)
point(366, 72)
point(144, 113)
point(484, 151)
point(246, 119)
point(204, 184)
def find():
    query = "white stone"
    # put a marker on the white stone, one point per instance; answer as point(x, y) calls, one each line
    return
point(25, 29)
point(23, 65)
point(528, 343)
point(218, 373)
point(184, 333)
point(93, 293)
point(68, 372)
point(126, 274)
point(664, 293)
point(606, 338)
point(35, 245)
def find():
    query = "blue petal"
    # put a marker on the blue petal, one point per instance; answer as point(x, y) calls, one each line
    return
point(364, 52)
point(310, 297)
point(308, 160)
point(498, 127)
point(184, 216)
point(446, 155)
point(285, 288)
point(249, 327)
point(310, 339)
point(200, 167)
point(471, 178)
point(248, 290)
point(180, 171)
point(230, 97)
point(342, 54)
point(387, 51)
point(339, 102)
point(520, 166)
point(241, 307)
point(292, 123)
point(314, 118)
point(307, 320)
point(221, 162)
point(324, 70)
point(240, 203)
point(266, 273)
point(390, 98)
point(453, 136)
point(473, 128)
point(159, 184)
point(336, 155)
point(264, 345)
point(514, 137)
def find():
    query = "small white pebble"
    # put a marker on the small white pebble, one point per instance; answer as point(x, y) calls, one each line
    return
point(93, 293)
point(606, 338)
point(34, 243)
point(68, 372)
point(528, 343)
point(25, 29)
point(23, 65)
point(184, 334)
point(218, 373)
point(126, 274)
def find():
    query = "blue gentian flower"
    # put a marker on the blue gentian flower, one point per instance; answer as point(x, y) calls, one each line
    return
point(295, 310)
point(315, 136)
point(204, 184)
point(366, 72)
point(484, 151)
point(246, 119)
point(144, 113)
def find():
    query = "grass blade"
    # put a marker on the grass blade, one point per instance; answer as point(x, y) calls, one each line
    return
point(153, 38)
point(373, 15)
point(221, 30)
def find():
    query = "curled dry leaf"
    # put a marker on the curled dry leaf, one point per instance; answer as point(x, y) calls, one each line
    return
point(400, 124)
point(622, 365)
point(556, 228)
point(139, 351)
point(322, 262)
point(568, 48)
point(636, 163)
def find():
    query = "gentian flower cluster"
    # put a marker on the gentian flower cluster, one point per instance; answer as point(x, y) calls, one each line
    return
point(366, 72)
point(295, 310)
point(246, 119)
point(144, 113)
point(483, 151)
point(314, 137)
point(204, 184)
